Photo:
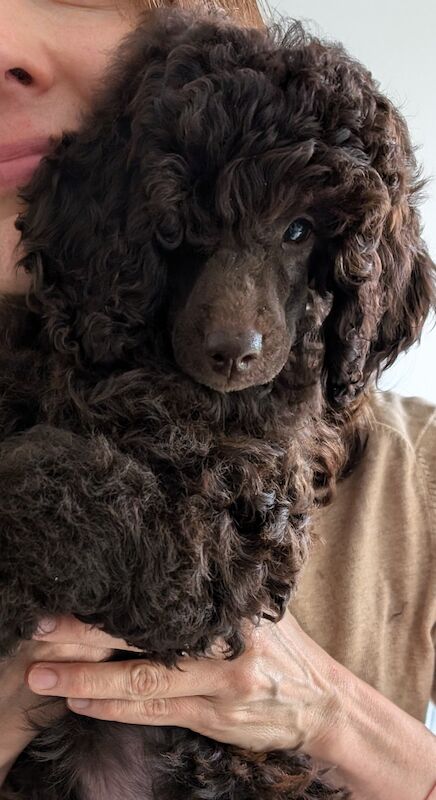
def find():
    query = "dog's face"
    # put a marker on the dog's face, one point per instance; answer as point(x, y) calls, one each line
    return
point(223, 176)
point(233, 315)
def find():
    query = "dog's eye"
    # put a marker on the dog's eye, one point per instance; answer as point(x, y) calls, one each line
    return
point(298, 230)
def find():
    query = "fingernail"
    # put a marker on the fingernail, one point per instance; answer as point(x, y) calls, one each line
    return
point(78, 703)
point(42, 678)
point(46, 625)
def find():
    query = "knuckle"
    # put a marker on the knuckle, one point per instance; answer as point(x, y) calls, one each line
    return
point(244, 683)
point(225, 719)
point(144, 680)
point(157, 707)
point(209, 722)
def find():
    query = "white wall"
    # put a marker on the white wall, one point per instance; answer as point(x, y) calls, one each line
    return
point(396, 41)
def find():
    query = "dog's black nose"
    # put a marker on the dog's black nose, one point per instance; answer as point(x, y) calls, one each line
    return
point(227, 351)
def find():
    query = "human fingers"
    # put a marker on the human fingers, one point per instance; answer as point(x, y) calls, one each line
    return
point(17, 701)
point(196, 713)
point(127, 680)
point(36, 651)
point(70, 630)
point(281, 692)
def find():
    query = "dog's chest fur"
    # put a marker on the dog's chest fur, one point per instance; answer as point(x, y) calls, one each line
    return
point(122, 770)
point(100, 760)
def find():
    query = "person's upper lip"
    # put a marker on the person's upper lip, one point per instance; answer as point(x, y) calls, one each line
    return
point(25, 147)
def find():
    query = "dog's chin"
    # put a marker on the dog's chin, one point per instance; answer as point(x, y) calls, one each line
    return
point(236, 382)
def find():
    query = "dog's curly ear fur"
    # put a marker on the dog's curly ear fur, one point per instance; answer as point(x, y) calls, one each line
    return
point(96, 212)
point(383, 279)
point(107, 201)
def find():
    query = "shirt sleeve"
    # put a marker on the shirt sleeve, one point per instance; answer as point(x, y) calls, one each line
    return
point(426, 453)
point(433, 690)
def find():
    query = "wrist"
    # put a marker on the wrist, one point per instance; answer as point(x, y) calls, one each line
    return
point(323, 747)
point(377, 748)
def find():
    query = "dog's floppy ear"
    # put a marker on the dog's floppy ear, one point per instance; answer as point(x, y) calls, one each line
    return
point(383, 279)
point(92, 289)
point(102, 204)
point(108, 201)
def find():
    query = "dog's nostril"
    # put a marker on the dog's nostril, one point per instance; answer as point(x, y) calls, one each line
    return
point(228, 351)
point(245, 361)
point(218, 358)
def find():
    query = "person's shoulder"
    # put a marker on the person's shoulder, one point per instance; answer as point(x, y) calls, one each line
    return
point(398, 464)
point(409, 420)
point(402, 443)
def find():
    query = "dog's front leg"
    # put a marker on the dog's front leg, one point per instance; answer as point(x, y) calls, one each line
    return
point(72, 514)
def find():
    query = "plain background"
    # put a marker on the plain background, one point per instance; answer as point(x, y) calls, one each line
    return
point(395, 41)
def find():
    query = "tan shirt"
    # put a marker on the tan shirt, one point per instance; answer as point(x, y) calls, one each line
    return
point(367, 594)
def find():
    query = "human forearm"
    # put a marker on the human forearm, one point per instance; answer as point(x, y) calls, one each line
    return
point(380, 751)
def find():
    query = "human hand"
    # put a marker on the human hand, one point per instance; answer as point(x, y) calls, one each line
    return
point(283, 692)
point(17, 700)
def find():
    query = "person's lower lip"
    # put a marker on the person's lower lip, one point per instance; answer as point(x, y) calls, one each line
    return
point(18, 171)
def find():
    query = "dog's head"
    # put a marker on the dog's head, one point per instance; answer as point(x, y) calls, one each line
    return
point(233, 315)
point(242, 198)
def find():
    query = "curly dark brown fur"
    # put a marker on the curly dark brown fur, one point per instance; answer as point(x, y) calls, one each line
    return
point(186, 381)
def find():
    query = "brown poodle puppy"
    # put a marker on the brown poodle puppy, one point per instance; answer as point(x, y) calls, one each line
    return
point(223, 258)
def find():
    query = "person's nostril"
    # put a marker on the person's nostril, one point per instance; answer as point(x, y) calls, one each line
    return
point(21, 75)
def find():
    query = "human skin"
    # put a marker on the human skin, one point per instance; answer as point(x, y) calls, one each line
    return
point(285, 689)
point(63, 69)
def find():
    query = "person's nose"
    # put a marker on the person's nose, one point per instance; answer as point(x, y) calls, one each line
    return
point(25, 67)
